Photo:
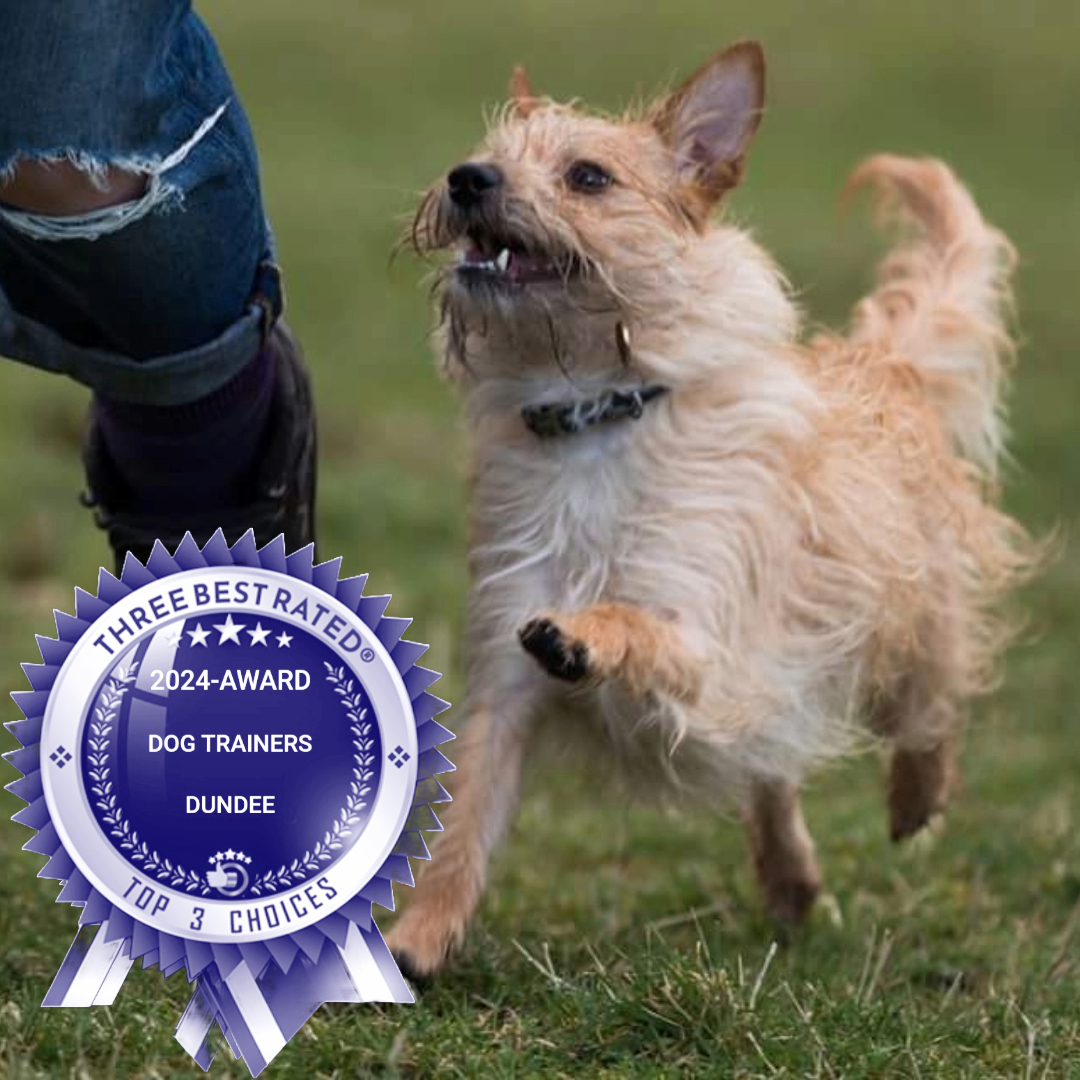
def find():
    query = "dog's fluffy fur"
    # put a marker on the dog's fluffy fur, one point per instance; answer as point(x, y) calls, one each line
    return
point(797, 545)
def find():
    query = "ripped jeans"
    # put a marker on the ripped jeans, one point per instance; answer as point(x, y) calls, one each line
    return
point(163, 299)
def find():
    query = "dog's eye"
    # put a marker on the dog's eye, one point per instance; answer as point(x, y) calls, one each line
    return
point(588, 177)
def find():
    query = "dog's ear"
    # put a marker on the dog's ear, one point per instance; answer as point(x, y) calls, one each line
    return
point(522, 97)
point(710, 120)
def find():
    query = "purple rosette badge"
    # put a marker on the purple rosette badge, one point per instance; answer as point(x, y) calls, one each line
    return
point(228, 755)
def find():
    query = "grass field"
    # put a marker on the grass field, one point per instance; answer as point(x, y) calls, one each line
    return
point(622, 942)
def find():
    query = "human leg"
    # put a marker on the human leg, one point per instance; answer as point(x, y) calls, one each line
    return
point(135, 258)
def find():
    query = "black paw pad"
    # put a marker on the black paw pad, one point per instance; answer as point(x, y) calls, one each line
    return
point(409, 970)
point(558, 656)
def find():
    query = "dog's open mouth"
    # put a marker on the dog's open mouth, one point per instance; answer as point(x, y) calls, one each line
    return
point(501, 261)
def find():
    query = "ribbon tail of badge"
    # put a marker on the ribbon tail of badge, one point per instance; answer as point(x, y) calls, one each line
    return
point(92, 972)
point(257, 993)
point(258, 1016)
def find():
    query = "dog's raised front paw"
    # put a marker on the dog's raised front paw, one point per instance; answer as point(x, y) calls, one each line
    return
point(556, 653)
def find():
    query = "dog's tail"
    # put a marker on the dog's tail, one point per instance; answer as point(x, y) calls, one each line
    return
point(943, 299)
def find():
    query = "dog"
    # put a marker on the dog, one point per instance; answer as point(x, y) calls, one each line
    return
point(723, 550)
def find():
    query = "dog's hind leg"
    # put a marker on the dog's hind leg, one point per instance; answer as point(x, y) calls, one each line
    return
point(484, 787)
point(920, 719)
point(782, 850)
point(920, 782)
point(920, 715)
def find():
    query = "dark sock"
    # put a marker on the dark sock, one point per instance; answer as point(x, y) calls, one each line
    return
point(191, 457)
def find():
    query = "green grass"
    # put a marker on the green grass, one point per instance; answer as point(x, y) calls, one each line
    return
point(615, 942)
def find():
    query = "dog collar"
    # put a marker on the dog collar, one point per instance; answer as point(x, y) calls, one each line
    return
point(571, 417)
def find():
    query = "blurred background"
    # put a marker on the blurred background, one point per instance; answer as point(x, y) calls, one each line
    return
point(626, 942)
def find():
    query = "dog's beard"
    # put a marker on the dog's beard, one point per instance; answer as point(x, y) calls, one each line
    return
point(535, 328)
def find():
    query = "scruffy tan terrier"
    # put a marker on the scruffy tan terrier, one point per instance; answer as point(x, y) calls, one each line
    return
point(723, 551)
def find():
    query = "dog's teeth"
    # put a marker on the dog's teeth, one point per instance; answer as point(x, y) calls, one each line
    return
point(503, 261)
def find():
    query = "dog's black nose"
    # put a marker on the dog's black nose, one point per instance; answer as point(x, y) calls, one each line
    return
point(469, 183)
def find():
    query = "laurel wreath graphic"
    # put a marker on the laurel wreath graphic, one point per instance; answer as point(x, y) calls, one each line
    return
point(152, 863)
point(101, 728)
point(356, 801)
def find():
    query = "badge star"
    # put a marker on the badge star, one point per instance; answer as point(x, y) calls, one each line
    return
point(284, 640)
point(198, 636)
point(174, 637)
point(259, 635)
point(230, 631)
point(229, 853)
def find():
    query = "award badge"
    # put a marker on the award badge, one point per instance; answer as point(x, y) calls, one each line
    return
point(228, 755)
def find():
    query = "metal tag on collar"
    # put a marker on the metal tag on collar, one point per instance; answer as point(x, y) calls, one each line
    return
point(622, 343)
